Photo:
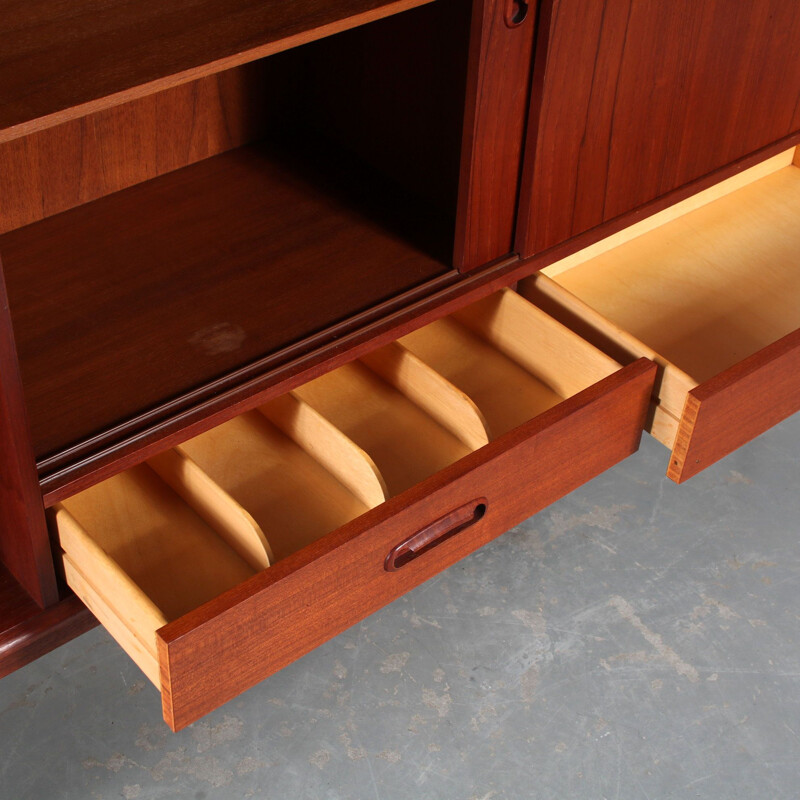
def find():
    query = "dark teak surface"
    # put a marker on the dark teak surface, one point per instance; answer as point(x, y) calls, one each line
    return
point(24, 545)
point(84, 159)
point(133, 299)
point(632, 100)
point(498, 82)
point(58, 56)
point(27, 632)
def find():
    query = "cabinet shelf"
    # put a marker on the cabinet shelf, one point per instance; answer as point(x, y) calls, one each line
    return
point(117, 50)
point(142, 296)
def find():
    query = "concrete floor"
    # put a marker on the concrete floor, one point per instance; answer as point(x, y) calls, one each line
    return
point(635, 640)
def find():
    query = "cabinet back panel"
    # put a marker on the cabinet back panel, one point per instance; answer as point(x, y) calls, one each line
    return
point(392, 93)
point(84, 159)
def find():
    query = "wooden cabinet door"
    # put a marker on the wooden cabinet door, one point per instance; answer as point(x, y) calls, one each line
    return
point(632, 99)
point(498, 84)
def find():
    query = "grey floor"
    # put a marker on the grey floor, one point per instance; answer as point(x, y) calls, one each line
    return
point(635, 640)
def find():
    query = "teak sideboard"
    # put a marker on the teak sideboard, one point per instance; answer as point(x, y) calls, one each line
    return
point(301, 303)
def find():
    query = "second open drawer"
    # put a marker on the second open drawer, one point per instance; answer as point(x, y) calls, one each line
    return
point(709, 289)
point(224, 559)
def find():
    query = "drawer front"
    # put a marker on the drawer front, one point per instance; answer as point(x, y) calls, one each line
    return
point(736, 406)
point(219, 650)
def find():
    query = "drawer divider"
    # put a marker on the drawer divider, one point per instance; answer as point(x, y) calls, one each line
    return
point(540, 344)
point(234, 524)
point(431, 391)
point(329, 446)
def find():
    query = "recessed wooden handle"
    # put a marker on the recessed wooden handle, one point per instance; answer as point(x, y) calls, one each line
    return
point(516, 12)
point(434, 534)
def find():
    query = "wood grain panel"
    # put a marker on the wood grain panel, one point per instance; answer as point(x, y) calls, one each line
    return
point(498, 83)
point(737, 405)
point(62, 61)
point(224, 647)
point(633, 99)
point(24, 544)
point(84, 159)
point(174, 282)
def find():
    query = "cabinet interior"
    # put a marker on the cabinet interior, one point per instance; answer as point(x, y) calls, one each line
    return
point(218, 223)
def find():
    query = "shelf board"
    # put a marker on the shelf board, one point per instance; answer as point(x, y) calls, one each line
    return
point(62, 60)
point(136, 299)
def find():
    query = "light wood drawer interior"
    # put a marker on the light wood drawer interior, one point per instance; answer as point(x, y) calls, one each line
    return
point(512, 363)
point(139, 556)
point(698, 288)
point(159, 540)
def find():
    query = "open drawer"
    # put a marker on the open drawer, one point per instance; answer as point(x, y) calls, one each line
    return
point(225, 559)
point(710, 290)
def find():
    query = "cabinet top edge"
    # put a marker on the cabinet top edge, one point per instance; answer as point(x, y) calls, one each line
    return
point(65, 61)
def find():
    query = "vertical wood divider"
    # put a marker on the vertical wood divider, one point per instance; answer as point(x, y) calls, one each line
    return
point(24, 542)
point(234, 524)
